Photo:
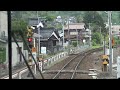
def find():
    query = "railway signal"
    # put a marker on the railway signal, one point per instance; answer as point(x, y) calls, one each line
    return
point(29, 39)
point(113, 42)
point(29, 31)
point(105, 61)
point(29, 36)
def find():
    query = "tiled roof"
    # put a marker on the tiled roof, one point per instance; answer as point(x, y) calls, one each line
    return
point(46, 33)
point(75, 26)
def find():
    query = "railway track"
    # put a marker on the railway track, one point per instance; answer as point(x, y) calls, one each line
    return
point(70, 69)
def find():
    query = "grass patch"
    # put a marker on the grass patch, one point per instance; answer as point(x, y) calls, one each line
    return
point(2, 55)
point(98, 46)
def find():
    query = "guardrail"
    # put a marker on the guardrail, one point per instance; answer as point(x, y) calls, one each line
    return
point(23, 70)
point(50, 60)
point(17, 73)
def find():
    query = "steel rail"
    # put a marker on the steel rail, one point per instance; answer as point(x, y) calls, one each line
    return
point(85, 52)
point(91, 51)
point(63, 67)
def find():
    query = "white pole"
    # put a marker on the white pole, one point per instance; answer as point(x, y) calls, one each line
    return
point(90, 34)
point(39, 35)
point(35, 68)
point(40, 65)
point(100, 37)
point(110, 42)
point(34, 42)
point(112, 55)
point(63, 33)
point(77, 37)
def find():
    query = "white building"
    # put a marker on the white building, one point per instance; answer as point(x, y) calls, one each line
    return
point(16, 56)
point(116, 30)
point(4, 34)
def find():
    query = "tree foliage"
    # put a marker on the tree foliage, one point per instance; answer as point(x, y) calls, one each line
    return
point(96, 38)
point(93, 17)
point(17, 25)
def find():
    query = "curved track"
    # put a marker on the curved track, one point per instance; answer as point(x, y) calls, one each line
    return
point(69, 70)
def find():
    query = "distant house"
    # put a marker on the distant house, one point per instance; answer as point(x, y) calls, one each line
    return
point(49, 37)
point(74, 31)
point(77, 31)
point(116, 30)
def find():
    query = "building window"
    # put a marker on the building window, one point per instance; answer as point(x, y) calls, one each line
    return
point(18, 52)
point(54, 43)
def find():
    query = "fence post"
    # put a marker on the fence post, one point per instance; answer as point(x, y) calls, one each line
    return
point(19, 75)
point(35, 68)
point(40, 65)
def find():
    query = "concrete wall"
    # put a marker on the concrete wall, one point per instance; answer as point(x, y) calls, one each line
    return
point(15, 55)
point(4, 27)
point(3, 22)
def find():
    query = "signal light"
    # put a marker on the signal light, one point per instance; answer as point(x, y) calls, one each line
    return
point(29, 39)
point(113, 42)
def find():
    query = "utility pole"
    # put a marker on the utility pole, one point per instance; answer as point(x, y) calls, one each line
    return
point(63, 33)
point(104, 45)
point(9, 44)
point(68, 37)
point(90, 34)
point(77, 37)
point(110, 43)
point(100, 36)
point(39, 35)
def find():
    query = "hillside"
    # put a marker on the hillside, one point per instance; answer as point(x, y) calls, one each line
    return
point(53, 14)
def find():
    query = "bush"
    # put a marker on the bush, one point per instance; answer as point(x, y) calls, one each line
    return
point(74, 44)
point(94, 43)
point(2, 55)
point(118, 41)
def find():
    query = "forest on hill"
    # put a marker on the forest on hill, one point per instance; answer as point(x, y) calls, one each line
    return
point(51, 15)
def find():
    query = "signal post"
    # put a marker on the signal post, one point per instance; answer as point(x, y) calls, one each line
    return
point(30, 44)
point(105, 61)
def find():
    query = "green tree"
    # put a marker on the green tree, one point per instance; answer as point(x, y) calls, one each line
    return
point(17, 25)
point(96, 38)
point(50, 18)
point(95, 18)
